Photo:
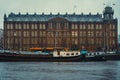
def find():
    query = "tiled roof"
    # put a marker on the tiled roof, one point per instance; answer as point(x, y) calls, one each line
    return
point(46, 17)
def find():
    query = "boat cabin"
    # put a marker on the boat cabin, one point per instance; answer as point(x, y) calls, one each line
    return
point(65, 53)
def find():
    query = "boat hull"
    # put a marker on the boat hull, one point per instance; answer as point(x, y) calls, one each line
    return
point(45, 58)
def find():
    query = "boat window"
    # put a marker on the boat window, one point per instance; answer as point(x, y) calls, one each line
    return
point(72, 54)
point(67, 54)
point(76, 53)
point(58, 53)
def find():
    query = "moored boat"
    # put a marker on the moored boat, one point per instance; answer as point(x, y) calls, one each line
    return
point(55, 56)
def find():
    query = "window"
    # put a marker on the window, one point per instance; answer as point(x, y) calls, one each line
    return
point(74, 33)
point(113, 41)
point(84, 33)
point(89, 26)
point(97, 33)
point(91, 41)
point(113, 26)
point(27, 26)
point(80, 26)
point(32, 33)
point(44, 34)
point(19, 26)
point(35, 26)
point(68, 34)
point(58, 26)
point(25, 34)
point(67, 54)
point(35, 34)
point(40, 26)
point(100, 26)
point(97, 27)
point(19, 33)
point(72, 26)
point(9, 26)
point(43, 26)
point(76, 53)
point(84, 27)
point(40, 33)
point(90, 34)
point(16, 26)
point(76, 41)
point(66, 26)
point(72, 53)
point(76, 27)
point(24, 26)
point(80, 34)
point(32, 26)
point(92, 26)
point(52, 34)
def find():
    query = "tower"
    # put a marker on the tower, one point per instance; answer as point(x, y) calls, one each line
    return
point(108, 13)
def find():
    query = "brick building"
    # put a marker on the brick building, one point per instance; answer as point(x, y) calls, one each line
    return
point(93, 31)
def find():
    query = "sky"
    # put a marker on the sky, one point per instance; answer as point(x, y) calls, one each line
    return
point(55, 6)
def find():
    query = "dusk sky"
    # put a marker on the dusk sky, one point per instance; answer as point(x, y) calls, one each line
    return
point(55, 6)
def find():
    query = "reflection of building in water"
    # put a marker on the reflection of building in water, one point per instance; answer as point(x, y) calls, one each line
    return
point(23, 31)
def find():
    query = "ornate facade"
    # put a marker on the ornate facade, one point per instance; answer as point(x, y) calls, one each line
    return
point(73, 31)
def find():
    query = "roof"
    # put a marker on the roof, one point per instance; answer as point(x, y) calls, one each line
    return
point(46, 17)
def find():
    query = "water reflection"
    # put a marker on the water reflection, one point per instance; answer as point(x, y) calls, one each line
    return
point(60, 71)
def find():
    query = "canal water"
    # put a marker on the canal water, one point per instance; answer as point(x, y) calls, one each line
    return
point(109, 70)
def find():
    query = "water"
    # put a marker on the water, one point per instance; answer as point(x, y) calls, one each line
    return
point(109, 70)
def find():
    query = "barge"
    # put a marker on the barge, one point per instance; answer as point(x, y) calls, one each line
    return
point(55, 56)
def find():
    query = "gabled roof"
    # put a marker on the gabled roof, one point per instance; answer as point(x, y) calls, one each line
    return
point(45, 17)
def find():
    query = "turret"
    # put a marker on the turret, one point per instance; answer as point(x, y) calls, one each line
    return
point(108, 13)
point(5, 17)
